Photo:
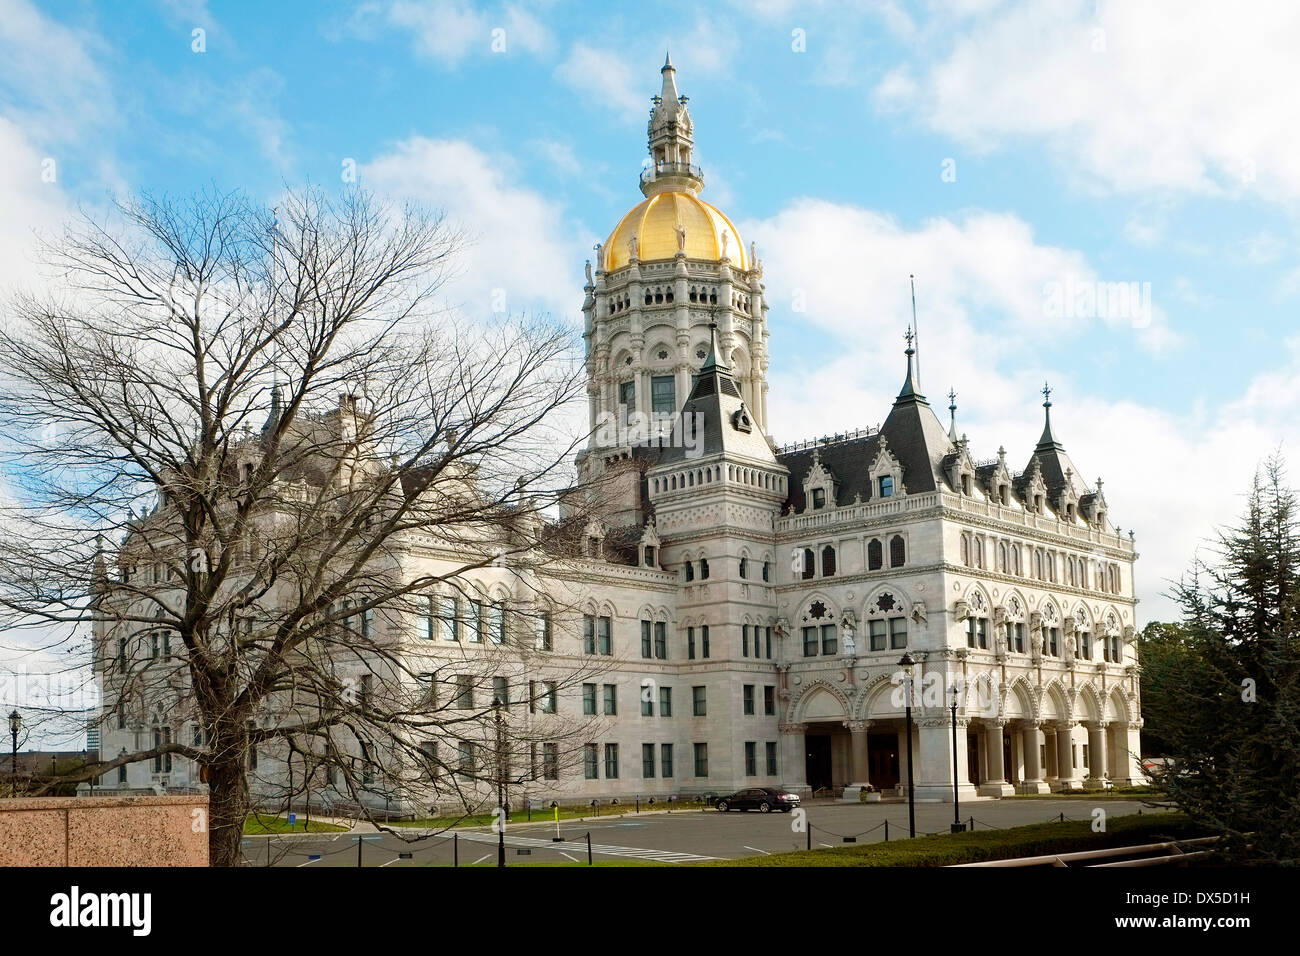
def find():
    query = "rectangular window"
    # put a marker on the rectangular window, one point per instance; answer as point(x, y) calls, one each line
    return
point(886, 485)
point(498, 630)
point(810, 642)
point(1020, 638)
point(590, 761)
point(465, 756)
point(819, 498)
point(603, 642)
point(542, 631)
point(1085, 759)
point(464, 692)
point(588, 634)
point(699, 701)
point(627, 398)
point(751, 759)
point(611, 699)
point(647, 639)
point(769, 700)
point(367, 623)
point(589, 699)
point(767, 642)
point(476, 621)
point(701, 760)
point(663, 395)
point(162, 737)
point(449, 613)
point(877, 630)
point(897, 633)
point(704, 640)
point(744, 640)
point(661, 640)
point(830, 645)
point(550, 698)
point(501, 690)
point(771, 758)
point(983, 633)
point(665, 760)
point(121, 774)
point(690, 643)
point(430, 617)
point(648, 761)
point(970, 632)
point(665, 701)
point(647, 698)
point(748, 691)
point(551, 761)
point(611, 761)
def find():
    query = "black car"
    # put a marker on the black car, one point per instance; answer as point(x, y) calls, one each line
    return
point(762, 799)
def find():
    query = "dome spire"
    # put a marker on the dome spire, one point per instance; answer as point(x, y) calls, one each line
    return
point(670, 137)
point(1047, 439)
point(952, 412)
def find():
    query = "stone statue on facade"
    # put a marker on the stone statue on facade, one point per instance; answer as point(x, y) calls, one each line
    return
point(588, 268)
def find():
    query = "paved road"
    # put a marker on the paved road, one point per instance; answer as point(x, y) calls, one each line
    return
point(683, 837)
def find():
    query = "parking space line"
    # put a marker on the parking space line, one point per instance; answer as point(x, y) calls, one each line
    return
point(756, 850)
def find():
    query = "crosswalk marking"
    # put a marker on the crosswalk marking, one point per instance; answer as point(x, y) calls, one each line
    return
point(631, 852)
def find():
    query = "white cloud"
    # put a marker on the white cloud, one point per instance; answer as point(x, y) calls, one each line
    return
point(448, 31)
point(606, 78)
point(521, 241)
point(1128, 96)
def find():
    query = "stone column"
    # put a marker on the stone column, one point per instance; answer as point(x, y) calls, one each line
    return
point(1096, 779)
point(996, 785)
point(1065, 774)
point(1127, 755)
point(1032, 738)
point(934, 780)
point(902, 757)
point(793, 770)
point(858, 759)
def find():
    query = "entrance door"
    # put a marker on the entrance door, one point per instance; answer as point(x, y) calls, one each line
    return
point(882, 750)
point(973, 759)
point(1009, 758)
point(817, 763)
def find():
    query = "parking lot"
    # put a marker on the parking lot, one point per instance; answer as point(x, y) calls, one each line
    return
point(659, 838)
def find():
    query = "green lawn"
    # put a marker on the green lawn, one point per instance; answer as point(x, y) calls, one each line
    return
point(261, 824)
point(947, 849)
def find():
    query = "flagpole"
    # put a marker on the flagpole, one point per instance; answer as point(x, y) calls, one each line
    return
point(915, 331)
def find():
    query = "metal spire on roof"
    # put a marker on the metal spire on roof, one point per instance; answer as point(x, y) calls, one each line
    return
point(711, 363)
point(1047, 439)
point(952, 412)
point(910, 389)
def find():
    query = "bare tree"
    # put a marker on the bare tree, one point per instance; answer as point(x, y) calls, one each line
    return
point(268, 483)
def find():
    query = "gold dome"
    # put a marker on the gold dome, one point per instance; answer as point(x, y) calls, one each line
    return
point(654, 224)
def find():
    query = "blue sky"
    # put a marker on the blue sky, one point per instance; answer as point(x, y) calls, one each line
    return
point(1092, 142)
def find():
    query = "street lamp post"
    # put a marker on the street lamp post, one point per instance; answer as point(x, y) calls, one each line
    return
point(906, 664)
point(957, 825)
point(15, 725)
point(501, 818)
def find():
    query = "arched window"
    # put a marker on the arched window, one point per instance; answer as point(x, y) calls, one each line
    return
point(704, 569)
point(875, 555)
point(828, 561)
point(1015, 559)
point(690, 571)
point(897, 551)
point(965, 550)
point(744, 568)
point(809, 563)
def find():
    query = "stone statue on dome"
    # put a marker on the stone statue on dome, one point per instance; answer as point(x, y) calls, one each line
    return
point(633, 248)
point(588, 268)
point(726, 237)
point(681, 238)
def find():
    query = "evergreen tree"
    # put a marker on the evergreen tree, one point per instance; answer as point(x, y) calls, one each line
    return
point(1228, 707)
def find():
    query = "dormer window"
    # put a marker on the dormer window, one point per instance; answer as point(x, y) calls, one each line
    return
point(966, 485)
point(593, 547)
point(651, 552)
point(1004, 493)
point(886, 486)
point(819, 498)
point(1038, 504)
